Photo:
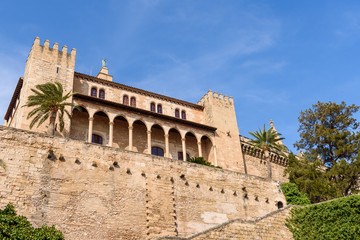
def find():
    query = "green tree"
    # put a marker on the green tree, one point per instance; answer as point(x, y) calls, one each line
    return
point(48, 100)
point(268, 141)
point(328, 131)
point(330, 165)
point(17, 227)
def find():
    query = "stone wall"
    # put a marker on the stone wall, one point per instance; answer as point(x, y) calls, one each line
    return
point(94, 192)
point(269, 227)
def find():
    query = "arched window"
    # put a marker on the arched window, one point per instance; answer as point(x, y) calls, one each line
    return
point(183, 114)
point(180, 156)
point(126, 100)
point(93, 92)
point(152, 107)
point(157, 151)
point(177, 113)
point(133, 102)
point(102, 94)
point(159, 108)
point(96, 139)
point(279, 205)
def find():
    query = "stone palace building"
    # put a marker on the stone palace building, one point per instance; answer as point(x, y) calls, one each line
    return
point(119, 169)
point(116, 115)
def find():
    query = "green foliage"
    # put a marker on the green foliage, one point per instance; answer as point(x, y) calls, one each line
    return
point(202, 161)
point(293, 195)
point(328, 131)
point(330, 166)
point(19, 228)
point(47, 101)
point(338, 219)
point(267, 140)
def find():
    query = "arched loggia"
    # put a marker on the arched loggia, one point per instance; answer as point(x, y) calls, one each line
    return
point(139, 137)
point(207, 149)
point(100, 127)
point(121, 133)
point(175, 143)
point(157, 140)
point(191, 145)
point(79, 123)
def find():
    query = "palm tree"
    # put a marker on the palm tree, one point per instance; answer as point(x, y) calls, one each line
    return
point(48, 100)
point(268, 141)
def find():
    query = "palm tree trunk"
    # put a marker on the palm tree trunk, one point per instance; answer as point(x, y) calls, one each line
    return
point(52, 123)
point(267, 157)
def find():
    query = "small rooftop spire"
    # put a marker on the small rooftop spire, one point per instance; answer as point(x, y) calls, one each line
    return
point(103, 62)
point(272, 123)
point(274, 130)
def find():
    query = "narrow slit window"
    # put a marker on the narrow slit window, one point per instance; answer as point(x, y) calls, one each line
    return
point(102, 94)
point(183, 114)
point(93, 92)
point(133, 102)
point(152, 107)
point(177, 113)
point(126, 100)
point(159, 108)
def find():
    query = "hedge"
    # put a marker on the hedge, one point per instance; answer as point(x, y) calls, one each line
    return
point(337, 219)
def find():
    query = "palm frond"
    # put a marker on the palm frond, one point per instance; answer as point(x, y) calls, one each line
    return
point(47, 98)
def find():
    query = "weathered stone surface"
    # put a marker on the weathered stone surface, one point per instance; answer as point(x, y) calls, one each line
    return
point(143, 197)
point(270, 227)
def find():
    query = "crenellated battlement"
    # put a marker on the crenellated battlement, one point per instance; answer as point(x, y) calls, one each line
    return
point(53, 54)
point(214, 96)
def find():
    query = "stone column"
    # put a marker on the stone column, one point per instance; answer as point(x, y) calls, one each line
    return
point(215, 159)
point(149, 141)
point(167, 154)
point(131, 138)
point(199, 148)
point(183, 148)
point(111, 133)
point(91, 120)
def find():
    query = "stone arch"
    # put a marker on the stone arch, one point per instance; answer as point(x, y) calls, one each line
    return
point(79, 123)
point(191, 144)
point(279, 205)
point(175, 144)
point(207, 148)
point(157, 137)
point(101, 125)
point(102, 112)
point(139, 136)
point(121, 132)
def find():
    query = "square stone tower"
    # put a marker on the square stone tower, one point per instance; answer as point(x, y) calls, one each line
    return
point(45, 64)
point(219, 112)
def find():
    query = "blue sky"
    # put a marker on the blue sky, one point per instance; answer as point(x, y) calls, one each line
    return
point(275, 58)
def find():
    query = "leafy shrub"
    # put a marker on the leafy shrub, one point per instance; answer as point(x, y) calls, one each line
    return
point(293, 195)
point(338, 219)
point(202, 161)
point(19, 228)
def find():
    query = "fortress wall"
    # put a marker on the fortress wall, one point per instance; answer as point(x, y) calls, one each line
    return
point(88, 196)
point(270, 227)
point(255, 166)
point(278, 172)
